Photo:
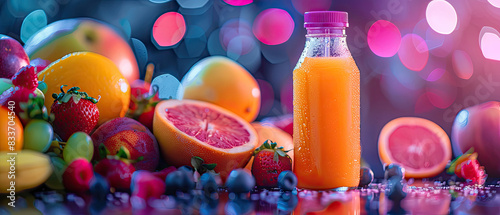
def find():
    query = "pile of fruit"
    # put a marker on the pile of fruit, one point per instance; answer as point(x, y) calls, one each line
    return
point(83, 123)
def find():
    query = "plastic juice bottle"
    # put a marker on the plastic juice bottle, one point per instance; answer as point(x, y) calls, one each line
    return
point(326, 127)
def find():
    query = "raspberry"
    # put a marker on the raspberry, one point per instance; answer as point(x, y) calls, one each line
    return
point(26, 77)
point(471, 170)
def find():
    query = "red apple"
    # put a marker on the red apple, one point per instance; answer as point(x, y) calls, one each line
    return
point(479, 127)
point(12, 56)
point(132, 135)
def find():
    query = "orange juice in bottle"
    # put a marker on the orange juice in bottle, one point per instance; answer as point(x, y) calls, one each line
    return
point(326, 130)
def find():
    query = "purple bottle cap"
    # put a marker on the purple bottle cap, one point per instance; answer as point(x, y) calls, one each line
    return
point(325, 19)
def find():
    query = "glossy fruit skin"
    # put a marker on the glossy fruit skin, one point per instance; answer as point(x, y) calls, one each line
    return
point(240, 181)
point(394, 170)
point(179, 180)
point(71, 117)
point(366, 177)
point(77, 176)
point(26, 77)
point(162, 174)
point(222, 81)
point(287, 181)
point(145, 185)
point(131, 134)
point(18, 135)
point(94, 74)
point(266, 131)
point(39, 64)
point(284, 122)
point(83, 34)
point(38, 135)
point(32, 169)
point(266, 170)
point(118, 173)
point(12, 56)
point(178, 148)
point(79, 145)
point(478, 127)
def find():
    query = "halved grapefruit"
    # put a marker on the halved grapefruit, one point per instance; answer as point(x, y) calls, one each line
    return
point(419, 145)
point(187, 128)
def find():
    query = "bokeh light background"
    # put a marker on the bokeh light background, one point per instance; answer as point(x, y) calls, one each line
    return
point(417, 58)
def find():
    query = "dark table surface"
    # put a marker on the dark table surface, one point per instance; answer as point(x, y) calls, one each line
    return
point(422, 197)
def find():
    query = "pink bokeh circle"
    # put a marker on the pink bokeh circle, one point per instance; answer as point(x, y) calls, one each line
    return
point(238, 2)
point(169, 29)
point(273, 26)
point(384, 38)
point(413, 52)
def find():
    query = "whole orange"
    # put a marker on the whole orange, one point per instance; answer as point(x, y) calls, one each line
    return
point(95, 75)
point(221, 81)
point(10, 123)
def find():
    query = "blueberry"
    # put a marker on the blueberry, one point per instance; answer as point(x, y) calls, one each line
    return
point(179, 180)
point(208, 183)
point(287, 181)
point(186, 168)
point(99, 187)
point(287, 202)
point(366, 177)
point(394, 170)
point(240, 181)
point(239, 206)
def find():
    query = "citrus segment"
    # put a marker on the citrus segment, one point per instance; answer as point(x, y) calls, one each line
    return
point(419, 145)
point(94, 74)
point(187, 128)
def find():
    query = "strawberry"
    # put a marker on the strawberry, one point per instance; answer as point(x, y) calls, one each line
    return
point(74, 111)
point(26, 77)
point(268, 163)
point(117, 169)
point(142, 103)
point(20, 96)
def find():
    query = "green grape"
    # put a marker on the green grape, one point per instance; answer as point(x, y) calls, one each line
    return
point(55, 179)
point(38, 135)
point(79, 145)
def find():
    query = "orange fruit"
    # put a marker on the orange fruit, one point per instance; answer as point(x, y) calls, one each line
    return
point(419, 145)
point(187, 128)
point(11, 129)
point(94, 74)
point(267, 131)
point(221, 81)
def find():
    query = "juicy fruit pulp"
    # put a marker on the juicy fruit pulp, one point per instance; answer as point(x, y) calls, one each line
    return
point(94, 74)
point(418, 145)
point(221, 81)
point(190, 128)
point(326, 123)
point(208, 126)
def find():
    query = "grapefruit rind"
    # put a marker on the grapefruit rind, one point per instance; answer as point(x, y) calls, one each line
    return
point(178, 147)
point(387, 158)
